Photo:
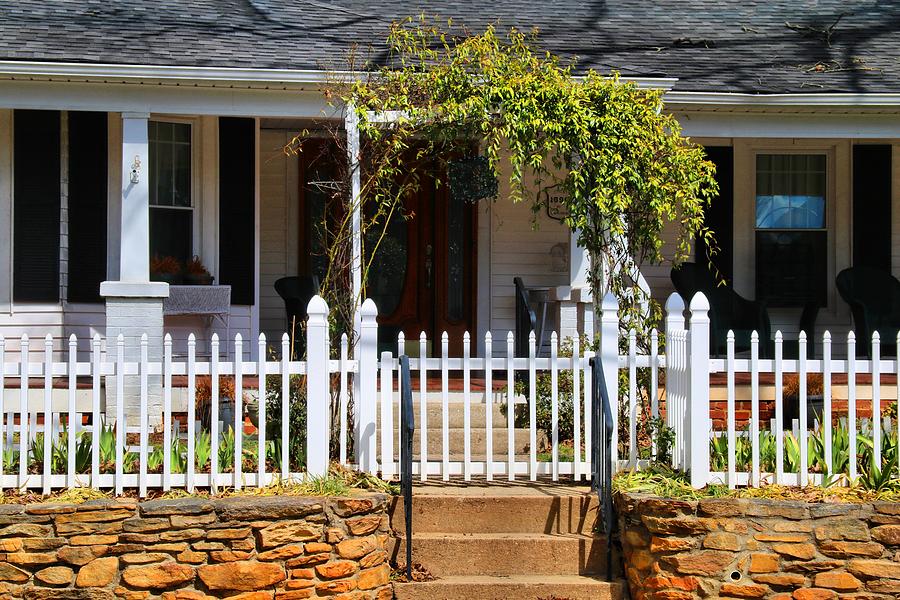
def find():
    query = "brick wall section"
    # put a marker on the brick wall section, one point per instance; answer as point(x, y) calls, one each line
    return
point(749, 548)
point(248, 548)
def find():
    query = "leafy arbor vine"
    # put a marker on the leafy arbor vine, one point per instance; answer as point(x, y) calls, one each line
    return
point(605, 143)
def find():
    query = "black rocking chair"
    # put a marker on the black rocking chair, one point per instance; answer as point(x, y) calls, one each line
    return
point(296, 293)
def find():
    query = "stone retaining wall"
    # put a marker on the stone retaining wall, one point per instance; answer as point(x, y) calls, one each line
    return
point(249, 547)
point(754, 548)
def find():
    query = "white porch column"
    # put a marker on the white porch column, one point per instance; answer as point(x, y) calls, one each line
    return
point(574, 317)
point(134, 262)
point(134, 304)
point(579, 262)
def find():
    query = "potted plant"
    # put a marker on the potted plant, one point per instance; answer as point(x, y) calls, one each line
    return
point(195, 273)
point(166, 268)
point(814, 400)
point(226, 402)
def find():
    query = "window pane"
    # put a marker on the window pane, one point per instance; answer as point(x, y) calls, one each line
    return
point(162, 174)
point(171, 233)
point(171, 229)
point(791, 267)
point(790, 191)
point(181, 166)
point(170, 164)
point(387, 275)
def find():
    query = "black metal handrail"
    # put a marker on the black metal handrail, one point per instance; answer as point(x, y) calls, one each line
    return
point(602, 456)
point(407, 428)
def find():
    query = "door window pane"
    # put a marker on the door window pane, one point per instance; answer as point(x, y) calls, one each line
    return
point(456, 262)
point(387, 275)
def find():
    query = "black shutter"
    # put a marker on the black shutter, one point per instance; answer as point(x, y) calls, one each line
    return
point(872, 206)
point(237, 221)
point(36, 192)
point(88, 159)
point(719, 216)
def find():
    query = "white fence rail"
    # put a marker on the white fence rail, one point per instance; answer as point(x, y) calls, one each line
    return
point(60, 424)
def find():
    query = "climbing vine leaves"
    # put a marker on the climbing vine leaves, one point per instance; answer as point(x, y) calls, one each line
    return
point(606, 144)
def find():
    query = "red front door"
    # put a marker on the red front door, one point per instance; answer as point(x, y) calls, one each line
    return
point(422, 275)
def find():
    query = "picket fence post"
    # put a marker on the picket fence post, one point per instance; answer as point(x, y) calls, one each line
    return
point(317, 393)
point(367, 354)
point(698, 398)
point(674, 322)
point(609, 360)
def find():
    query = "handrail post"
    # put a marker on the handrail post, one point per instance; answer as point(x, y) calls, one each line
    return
point(407, 430)
point(698, 404)
point(609, 362)
point(366, 387)
point(317, 392)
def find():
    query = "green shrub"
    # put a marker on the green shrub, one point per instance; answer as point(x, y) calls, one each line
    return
point(296, 420)
point(544, 404)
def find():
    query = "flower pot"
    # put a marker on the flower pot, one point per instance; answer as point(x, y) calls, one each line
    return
point(170, 278)
point(251, 409)
point(814, 410)
point(226, 415)
point(198, 279)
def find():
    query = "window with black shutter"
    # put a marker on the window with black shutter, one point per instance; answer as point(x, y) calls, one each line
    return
point(36, 205)
point(87, 201)
point(237, 211)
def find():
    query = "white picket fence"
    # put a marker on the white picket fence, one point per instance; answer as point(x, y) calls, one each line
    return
point(372, 382)
point(689, 365)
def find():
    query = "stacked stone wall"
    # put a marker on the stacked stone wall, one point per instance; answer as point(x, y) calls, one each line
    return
point(247, 548)
point(755, 548)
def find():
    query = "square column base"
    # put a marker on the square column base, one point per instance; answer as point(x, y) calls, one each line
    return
point(575, 314)
point(134, 309)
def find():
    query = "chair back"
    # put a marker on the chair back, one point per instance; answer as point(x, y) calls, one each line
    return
point(526, 320)
point(874, 299)
point(728, 309)
point(297, 291)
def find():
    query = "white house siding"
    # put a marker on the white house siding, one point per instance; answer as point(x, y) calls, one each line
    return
point(37, 320)
point(521, 243)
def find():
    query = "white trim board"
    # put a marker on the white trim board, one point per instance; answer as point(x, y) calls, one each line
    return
point(158, 99)
point(794, 100)
point(768, 125)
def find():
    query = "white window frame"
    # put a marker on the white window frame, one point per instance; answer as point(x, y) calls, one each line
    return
point(838, 208)
point(196, 178)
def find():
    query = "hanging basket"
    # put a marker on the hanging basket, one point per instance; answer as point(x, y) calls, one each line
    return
point(471, 179)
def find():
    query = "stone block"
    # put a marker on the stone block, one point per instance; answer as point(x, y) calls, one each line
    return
point(241, 576)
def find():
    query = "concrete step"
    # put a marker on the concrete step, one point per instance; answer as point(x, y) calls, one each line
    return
point(455, 414)
point(456, 396)
point(521, 587)
point(575, 513)
point(478, 437)
point(505, 554)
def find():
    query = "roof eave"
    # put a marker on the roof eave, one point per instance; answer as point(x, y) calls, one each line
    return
point(213, 76)
point(686, 99)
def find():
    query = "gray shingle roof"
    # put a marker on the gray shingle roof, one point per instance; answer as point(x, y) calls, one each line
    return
point(757, 46)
